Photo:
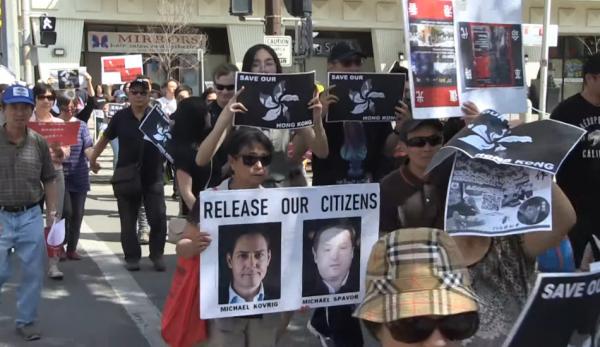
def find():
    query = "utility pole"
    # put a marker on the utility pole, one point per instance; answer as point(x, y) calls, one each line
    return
point(27, 41)
point(273, 17)
point(544, 60)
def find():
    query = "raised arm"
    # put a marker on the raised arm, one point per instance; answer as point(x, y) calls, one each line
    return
point(314, 137)
point(208, 148)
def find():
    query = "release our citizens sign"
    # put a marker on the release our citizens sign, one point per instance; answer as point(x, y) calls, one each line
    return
point(278, 249)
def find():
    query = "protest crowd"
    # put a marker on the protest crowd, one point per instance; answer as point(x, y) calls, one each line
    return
point(423, 286)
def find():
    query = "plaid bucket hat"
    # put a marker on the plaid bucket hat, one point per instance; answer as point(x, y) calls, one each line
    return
point(416, 272)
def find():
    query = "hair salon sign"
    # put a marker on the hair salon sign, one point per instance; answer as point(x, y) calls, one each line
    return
point(131, 42)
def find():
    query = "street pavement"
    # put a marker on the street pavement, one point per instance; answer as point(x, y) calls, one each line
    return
point(99, 303)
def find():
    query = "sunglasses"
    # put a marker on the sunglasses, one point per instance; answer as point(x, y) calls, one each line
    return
point(251, 160)
point(47, 97)
point(433, 140)
point(223, 86)
point(138, 92)
point(351, 62)
point(454, 327)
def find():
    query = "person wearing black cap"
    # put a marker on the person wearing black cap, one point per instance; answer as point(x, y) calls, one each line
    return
point(145, 160)
point(579, 176)
point(407, 197)
point(372, 145)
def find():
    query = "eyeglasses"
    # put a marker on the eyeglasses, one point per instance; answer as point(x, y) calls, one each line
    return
point(138, 92)
point(223, 86)
point(251, 160)
point(351, 61)
point(421, 141)
point(47, 97)
point(454, 327)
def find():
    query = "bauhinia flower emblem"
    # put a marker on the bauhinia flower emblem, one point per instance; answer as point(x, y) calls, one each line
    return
point(490, 139)
point(364, 99)
point(275, 103)
point(162, 133)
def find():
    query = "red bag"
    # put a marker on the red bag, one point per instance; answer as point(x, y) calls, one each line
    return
point(181, 325)
point(53, 251)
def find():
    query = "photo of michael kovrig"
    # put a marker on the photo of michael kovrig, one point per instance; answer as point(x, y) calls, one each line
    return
point(249, 263)
point(331, 256)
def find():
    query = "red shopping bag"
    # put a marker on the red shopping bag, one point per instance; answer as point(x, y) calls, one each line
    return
point(181, 325)
point(53, 251)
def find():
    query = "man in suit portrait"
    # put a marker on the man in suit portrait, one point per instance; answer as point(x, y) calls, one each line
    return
point(247, 257)
point(333, 251)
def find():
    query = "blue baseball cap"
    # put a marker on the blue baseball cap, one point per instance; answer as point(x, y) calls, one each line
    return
point(18, 94)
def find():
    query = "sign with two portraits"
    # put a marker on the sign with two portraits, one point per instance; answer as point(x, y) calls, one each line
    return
point(279, 249)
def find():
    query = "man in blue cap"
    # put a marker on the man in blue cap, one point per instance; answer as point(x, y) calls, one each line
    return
point(27, 176)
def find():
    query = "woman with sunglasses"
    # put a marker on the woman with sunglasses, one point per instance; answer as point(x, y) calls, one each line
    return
point(249, 153)
point(45, 96)
point(286, 170)
point(422, 298)
point(77, 176)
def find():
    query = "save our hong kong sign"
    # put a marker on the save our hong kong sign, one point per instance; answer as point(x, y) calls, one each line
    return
point(142, 42)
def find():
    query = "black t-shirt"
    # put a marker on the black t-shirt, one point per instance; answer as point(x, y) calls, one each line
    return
point(355, 154)
point(125, 127)
point(579, 176)
point(185, 160)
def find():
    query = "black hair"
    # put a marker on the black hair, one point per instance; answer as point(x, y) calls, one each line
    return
point(224, 69)
point(65, 98)
point(591, 65)
point(43, 88)
point(251, 54)
point(343, 225)
point(207, 91)
point(143, 77)
point(248, 229)
point(155, 87)
point(190, 121)
point(246, 136)
point(183, 87)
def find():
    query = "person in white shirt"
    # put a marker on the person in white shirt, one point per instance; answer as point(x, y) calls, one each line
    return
point(168, 103)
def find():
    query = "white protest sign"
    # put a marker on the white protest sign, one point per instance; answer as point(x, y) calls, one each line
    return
point(56, 236)
point(121, 69)
point(277, 249)
point(534, 33)
point(282, 45)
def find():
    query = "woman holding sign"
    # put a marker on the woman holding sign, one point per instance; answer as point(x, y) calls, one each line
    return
point(44, 100)
point(76, 172)
point(286, 169)
point(249, 152)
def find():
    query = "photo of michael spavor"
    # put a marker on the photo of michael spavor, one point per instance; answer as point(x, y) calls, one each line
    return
point(249, 263)
point(331, 256)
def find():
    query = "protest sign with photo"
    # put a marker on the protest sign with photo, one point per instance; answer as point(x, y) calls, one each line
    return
point(121, 69)
point(491, 61)
point(365, 97)
point(114, 108)
point(541, 145)
point(68, 79)
point(431, 45)
point(491, 55)
point(487, 199)
point(563, 310)
point(275, 101)
point(64, 133)
point(290, 233)
point(156, 129)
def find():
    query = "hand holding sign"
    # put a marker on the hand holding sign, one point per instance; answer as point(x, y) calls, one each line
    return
point(328, 99)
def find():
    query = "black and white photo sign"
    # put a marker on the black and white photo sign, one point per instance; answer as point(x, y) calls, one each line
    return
point(541, 145)
point(276, 250)
point(156, 129)
point(365, 97)
point(487, 199)
point(275, 101)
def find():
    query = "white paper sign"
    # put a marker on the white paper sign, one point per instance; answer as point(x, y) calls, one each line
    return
point(277, 249)
point(488, 199)
point(121, 69)
point(56, 236)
